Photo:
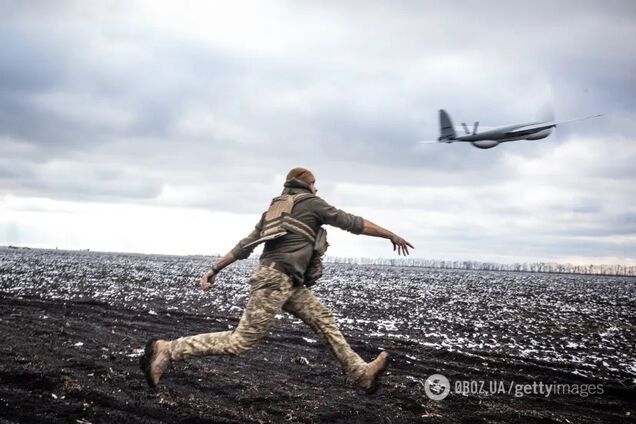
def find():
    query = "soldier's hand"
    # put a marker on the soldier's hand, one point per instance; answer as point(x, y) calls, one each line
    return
point(207, 280)
point(401, 245)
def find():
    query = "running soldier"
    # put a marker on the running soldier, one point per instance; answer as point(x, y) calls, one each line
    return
point(294, 242)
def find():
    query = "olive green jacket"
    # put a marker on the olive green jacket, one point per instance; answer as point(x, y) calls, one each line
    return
point(292, 252)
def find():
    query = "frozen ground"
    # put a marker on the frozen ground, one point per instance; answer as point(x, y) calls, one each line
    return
point(463, 324)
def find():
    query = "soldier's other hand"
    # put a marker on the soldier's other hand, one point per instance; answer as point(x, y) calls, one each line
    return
point(401, 245)
point(207, 280)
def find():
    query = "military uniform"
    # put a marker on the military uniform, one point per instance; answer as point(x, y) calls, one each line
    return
point(277, 285)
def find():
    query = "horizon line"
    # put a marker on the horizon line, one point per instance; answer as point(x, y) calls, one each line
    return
point(329, 259)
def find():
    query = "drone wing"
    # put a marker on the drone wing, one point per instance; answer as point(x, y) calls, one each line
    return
point(526, 129)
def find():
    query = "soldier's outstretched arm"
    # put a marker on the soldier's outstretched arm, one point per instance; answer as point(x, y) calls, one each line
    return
point(374, 230)
point(331, 216)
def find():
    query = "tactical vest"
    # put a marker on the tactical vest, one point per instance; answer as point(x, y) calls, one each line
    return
point(278, 220)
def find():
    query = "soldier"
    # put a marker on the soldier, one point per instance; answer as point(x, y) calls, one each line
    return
point(292, 232)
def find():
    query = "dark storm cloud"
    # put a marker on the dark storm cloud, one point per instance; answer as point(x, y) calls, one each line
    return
point(154, 94)
point(155, 90)
point(78, 181)
point(26, 63)
point(30, 65)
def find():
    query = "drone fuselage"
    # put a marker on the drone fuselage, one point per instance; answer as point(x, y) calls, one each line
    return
point(491, 138)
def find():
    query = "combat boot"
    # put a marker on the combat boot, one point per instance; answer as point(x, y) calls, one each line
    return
point(155, 360)
point(368, 380)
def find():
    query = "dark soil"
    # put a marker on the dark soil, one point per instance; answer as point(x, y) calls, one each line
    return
point(47, 376)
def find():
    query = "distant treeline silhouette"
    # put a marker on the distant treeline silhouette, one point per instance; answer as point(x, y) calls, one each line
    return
point(551, 267)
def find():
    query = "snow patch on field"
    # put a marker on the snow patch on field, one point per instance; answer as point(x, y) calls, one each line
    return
point(578, 324)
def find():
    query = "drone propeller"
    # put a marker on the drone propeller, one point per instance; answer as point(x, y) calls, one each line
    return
point(475, 127)
point(546, 113)
point(465, 128)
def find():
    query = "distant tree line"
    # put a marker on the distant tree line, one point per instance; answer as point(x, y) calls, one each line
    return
point(550, 267)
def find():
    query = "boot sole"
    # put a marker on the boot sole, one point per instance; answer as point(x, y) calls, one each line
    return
point(146, 360)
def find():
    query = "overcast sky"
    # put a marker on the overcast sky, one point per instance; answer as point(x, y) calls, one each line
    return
point(166, 127)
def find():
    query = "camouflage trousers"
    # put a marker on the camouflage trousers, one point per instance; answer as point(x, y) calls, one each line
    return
point(271, 291)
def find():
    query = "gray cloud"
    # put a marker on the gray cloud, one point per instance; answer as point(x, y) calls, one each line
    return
point(112, 104)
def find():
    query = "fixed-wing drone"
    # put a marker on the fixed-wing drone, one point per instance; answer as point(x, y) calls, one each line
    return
point(493, 136)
